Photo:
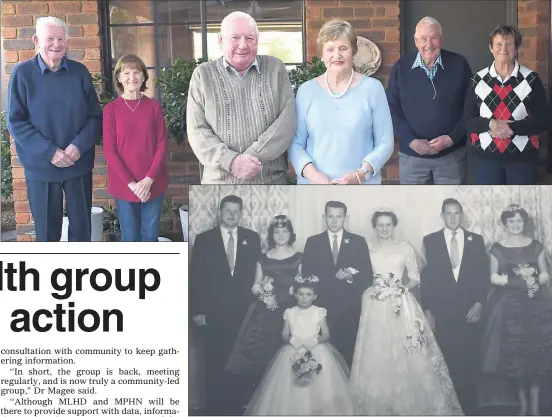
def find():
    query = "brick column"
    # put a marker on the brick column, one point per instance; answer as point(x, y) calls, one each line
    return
point(534, 25)
point(377, 20)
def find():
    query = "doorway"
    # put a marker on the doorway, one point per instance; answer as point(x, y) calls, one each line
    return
point(466, 25)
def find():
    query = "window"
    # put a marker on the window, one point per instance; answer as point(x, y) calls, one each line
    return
point(161, 31)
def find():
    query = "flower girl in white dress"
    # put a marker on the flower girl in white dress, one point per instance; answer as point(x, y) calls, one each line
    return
point(307, 376)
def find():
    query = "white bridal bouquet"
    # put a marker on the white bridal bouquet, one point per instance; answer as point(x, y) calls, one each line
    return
point(266, 294)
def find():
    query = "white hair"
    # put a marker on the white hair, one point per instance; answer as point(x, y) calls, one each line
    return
point(43, 22)
point(235, 15)
point(428, 20)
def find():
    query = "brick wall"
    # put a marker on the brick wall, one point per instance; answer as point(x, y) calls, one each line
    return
point(534, 24)
point(377, 20)
point(18, 20)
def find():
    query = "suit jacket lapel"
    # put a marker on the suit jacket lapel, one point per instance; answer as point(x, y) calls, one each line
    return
point(445, 254)
point(219, 246)
point(241, 247)
point(326, 247)
point(464, 253)
point(343, 248)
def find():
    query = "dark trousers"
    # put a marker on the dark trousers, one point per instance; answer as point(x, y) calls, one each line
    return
point(140, 221)
point(488, 171)
point(46, 203)
point(226, 393)
point(343, 333)
point(460, 344)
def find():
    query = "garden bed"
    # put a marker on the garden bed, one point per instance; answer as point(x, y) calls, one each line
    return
point(8, 215)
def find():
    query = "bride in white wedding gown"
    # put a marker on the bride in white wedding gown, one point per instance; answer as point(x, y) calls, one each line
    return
point(398, 368)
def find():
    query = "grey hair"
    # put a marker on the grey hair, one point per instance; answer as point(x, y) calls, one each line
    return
point(42, 22)
point(234, 15)
point(428, 20)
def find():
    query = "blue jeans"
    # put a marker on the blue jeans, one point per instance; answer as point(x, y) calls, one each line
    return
point(140, 221)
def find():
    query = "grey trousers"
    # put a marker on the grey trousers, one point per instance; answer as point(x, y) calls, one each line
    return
point(448, 169)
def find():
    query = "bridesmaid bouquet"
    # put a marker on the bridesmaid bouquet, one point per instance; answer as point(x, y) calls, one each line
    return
point(305, 367)
point(267, 293)
point(528, 274)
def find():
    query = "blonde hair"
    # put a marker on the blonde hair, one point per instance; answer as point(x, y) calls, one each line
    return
point(130, 61)
point(335, 29)
point(42, 22)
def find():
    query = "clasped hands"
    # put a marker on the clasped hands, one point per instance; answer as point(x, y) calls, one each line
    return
point(245, 166)
point(309, 343)
point(497, 129)
point(141, 189)
point(199, 320)
point(344, 273)
point(431, 147)
point(66, 158)
point(500, 129)
point(317, 177)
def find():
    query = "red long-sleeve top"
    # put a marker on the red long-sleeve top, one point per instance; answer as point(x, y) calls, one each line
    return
point(135, 146)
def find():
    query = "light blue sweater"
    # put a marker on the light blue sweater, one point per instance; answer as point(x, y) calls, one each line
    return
point(337, 135)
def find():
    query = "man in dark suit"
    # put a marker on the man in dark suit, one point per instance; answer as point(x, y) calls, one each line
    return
point(454, 290)
point(222, 271)
point(341, 261)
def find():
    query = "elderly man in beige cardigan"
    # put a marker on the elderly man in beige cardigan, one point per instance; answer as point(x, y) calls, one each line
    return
point(241, 110)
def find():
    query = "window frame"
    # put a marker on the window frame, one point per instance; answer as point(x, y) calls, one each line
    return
point(105, 41)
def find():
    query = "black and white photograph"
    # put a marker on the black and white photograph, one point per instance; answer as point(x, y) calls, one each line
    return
point(405, 300)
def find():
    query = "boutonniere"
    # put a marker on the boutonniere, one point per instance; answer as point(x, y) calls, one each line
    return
point(346, 240)
point(244, 243)
point(470, 238)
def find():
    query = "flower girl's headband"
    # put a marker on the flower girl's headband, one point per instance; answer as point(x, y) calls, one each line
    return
point(311, 280)
point(513, 207)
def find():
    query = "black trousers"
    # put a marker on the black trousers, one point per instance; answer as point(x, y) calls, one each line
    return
point(460, 343)
point(46, 203)
point(496, 172)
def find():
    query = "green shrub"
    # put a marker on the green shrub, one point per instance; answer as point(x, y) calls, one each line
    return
point(306, 72)
point(174, 83)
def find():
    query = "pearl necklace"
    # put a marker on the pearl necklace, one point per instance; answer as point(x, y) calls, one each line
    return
point(344, 91)
point(128, 105)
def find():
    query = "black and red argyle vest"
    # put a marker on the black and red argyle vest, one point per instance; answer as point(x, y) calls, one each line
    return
point(508, 101)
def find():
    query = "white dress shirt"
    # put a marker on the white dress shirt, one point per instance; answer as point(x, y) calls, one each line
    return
point(226, 237)
point(460, 241)
point(339, 238)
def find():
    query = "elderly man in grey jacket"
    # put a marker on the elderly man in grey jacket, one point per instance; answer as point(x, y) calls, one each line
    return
point(241, 110)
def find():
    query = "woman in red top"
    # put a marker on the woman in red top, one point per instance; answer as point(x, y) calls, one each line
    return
point(135, 146)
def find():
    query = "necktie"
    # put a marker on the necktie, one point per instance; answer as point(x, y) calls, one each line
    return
point(335, 249)
point(230, 251)
point(454, 251)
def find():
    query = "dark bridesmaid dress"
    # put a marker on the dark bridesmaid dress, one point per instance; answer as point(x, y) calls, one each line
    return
point(518, 339)
point(260, 335)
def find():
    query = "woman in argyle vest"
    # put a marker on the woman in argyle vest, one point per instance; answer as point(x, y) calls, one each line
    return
point(506, 110)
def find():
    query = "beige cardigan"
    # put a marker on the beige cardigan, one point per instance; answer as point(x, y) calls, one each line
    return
point(227, 116)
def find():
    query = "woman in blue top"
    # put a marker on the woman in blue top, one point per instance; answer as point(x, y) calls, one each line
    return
point(344, 130)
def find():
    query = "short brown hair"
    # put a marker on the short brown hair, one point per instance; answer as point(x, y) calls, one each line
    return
point(335, 29)
point(506, 31)
point(132, 61)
